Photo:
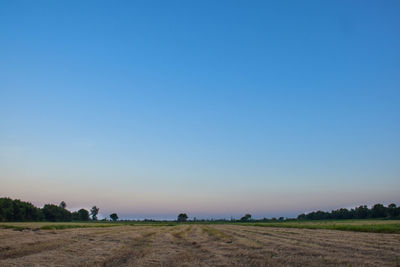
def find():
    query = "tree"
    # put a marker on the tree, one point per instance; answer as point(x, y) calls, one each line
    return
point(114, 217)
point(56, 214)
point(378, 211)
point(182, 217)
point(339, 214)
point(302, 216)
point(83, 215)
point(362, 212)
point(63, 205)
point(80, 215)
point(246, 217)
point(6, 209)
point(93, 212)
point(392, 210)
point(32, 213)
point(17, 210)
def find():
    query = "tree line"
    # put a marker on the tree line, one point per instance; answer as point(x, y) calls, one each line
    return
point(361, 212)
point(21, 211)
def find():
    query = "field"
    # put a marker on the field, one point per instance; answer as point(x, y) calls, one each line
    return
point(168, 244)
point(371, 226)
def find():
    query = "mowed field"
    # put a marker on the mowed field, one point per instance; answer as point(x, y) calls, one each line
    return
point(193, 245)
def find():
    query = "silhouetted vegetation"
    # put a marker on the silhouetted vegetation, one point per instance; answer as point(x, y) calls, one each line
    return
point(18, 211)
point(361, 212)
point(246, 217)
point(21, 211)
point(114, 217)
point(80, 215)
point(182, 217)
point(55, 213)
point(63, 205)
point(93, 212)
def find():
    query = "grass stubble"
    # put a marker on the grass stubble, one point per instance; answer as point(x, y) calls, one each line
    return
point(195, 245)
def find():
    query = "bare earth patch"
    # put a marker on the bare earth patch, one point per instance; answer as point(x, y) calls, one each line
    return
point(197, 245)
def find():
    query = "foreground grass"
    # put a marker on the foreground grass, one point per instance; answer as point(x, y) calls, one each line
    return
point(370, 226)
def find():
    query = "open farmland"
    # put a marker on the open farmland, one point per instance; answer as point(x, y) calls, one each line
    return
point(371, 226)
point(193, 245)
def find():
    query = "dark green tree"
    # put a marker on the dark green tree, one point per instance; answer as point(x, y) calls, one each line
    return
point(393, 211)
point(6, 209)
point(93, 212)
point(378, 211)
point(114, 216)
point(361, 212)
point(54, 213)
point(83, 215)
point(32, 213)
point(63, 205)
point(182, 217)
point(17, 210)
point(246, 217)
point(302, 216)
point(80, 215)
point(339, 214)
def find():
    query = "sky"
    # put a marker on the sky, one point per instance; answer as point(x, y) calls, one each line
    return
point(213, 108)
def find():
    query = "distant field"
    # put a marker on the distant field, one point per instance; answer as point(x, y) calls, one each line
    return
point(69, 225)
point(118, 244)
point(52, 225)
point(372, 226)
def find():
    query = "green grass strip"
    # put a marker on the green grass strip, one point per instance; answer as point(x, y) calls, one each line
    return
point(393, 228)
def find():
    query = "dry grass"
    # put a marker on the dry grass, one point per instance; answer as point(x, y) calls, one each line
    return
point(217, 234)
point(197, 245)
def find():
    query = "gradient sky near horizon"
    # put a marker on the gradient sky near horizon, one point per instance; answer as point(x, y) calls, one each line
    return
point(213, 108)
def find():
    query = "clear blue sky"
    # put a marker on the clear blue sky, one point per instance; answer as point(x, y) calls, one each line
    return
point(214, 108)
